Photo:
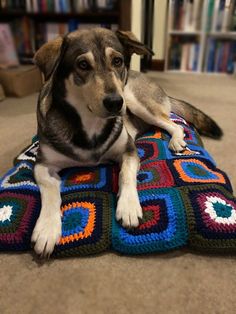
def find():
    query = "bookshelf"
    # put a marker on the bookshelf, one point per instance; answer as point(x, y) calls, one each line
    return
point(33, 22)
point(201, 36)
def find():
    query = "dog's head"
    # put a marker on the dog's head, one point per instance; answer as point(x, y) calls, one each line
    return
point(94, 66)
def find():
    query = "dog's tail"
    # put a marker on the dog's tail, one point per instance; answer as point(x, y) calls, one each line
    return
point(202, 122)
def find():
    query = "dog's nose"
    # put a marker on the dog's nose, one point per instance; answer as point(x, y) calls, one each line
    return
point(113, 103)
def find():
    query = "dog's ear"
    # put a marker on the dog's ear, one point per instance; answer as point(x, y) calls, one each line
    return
point(49, 56)
point(132, 44)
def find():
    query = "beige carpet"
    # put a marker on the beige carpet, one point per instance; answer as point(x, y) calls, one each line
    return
point(178, 282)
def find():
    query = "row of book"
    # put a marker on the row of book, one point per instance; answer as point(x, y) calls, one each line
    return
point(57, 6)
point(221, 15)
point(220, 56)
point(184, 56)
point(29, 36)
point(185, 15)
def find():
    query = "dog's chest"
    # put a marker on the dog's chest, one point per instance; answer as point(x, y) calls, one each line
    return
point(111, 150)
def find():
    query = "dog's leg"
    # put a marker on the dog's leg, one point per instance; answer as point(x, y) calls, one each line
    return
point(128, 206)
point(155, 112)
point(176, 143)
point(47, 230)
point(159, 117)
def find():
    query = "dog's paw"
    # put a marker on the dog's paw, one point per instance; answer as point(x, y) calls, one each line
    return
point(177, 144)
point(128, 209)
point(46, 235)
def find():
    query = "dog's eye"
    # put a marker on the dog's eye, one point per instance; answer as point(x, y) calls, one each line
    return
point(83, 65)
point(117, 61)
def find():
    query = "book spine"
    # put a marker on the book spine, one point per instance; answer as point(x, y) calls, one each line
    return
point(35, 6)
point(184, 57)
point(211, 55)
point(196, 56)
point(171, 16)
point(196, 15)
point(220, 15)
point(215, 15)
point(227, 16)
point(28, 6)
point(210, 11)
point(191, 57)
point(233, 23)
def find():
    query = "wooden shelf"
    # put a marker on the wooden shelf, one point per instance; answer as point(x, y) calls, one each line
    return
point(222, 34)
point(88, 16)
point(184, 33)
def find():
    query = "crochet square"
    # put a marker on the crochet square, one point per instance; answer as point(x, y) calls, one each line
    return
point(196, 171)
point(178, 119)
point(92, 178)
point(192, 151)
point(150, 149)
point(153, 133)
point(86, 223)
point(163, 226)
point(211, 216)
point(154, 175)
point(18, 214)
point(191, 136)
point(29, 153)
point(19, 177)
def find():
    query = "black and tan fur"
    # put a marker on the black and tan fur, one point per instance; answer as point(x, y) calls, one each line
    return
point(90, 110)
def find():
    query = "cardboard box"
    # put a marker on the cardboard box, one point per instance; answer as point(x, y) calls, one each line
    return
point(21, 81)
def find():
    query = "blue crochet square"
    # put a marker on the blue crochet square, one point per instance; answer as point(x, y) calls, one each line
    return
point(192, 151)
point(195, 171)
point(162, 228)
point(150, 149)
point(87, 179)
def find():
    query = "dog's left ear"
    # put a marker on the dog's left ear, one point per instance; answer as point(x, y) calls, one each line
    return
point(132, 44)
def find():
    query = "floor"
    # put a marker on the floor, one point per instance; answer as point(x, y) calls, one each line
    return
point(177, 282)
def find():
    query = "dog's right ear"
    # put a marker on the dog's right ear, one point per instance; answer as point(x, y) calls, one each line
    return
point(49, 55)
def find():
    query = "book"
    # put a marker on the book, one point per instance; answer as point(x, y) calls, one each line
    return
point(228, 15)
point(196, 15)
point(191, 57)
point(196, 56)
point(233, 23)
point(211, 55)
point(210, 10)
point(184, 57)
point(187, 15)
point(220, 15)
point(8, 55)
point(215, 15)
point(171, 16)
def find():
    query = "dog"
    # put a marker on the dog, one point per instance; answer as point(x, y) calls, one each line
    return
point(90, 110)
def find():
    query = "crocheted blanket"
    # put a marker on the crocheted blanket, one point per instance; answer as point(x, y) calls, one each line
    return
point(186, 201)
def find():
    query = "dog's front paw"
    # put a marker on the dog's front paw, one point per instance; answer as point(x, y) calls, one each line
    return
point(177, 144)
point(128, 209)
point(46, 235)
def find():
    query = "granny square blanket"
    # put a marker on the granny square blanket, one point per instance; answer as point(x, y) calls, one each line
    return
point(186, 201)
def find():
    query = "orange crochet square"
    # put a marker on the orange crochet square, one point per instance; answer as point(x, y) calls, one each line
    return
point(88, 230)
point(178, 163)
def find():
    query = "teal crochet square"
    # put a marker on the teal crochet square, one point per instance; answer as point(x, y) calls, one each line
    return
point(162, 228)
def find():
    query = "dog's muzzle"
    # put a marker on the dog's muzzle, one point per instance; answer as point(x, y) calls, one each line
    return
point(113, 103)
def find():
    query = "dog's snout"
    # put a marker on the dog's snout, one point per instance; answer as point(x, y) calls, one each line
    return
point(113, 103)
